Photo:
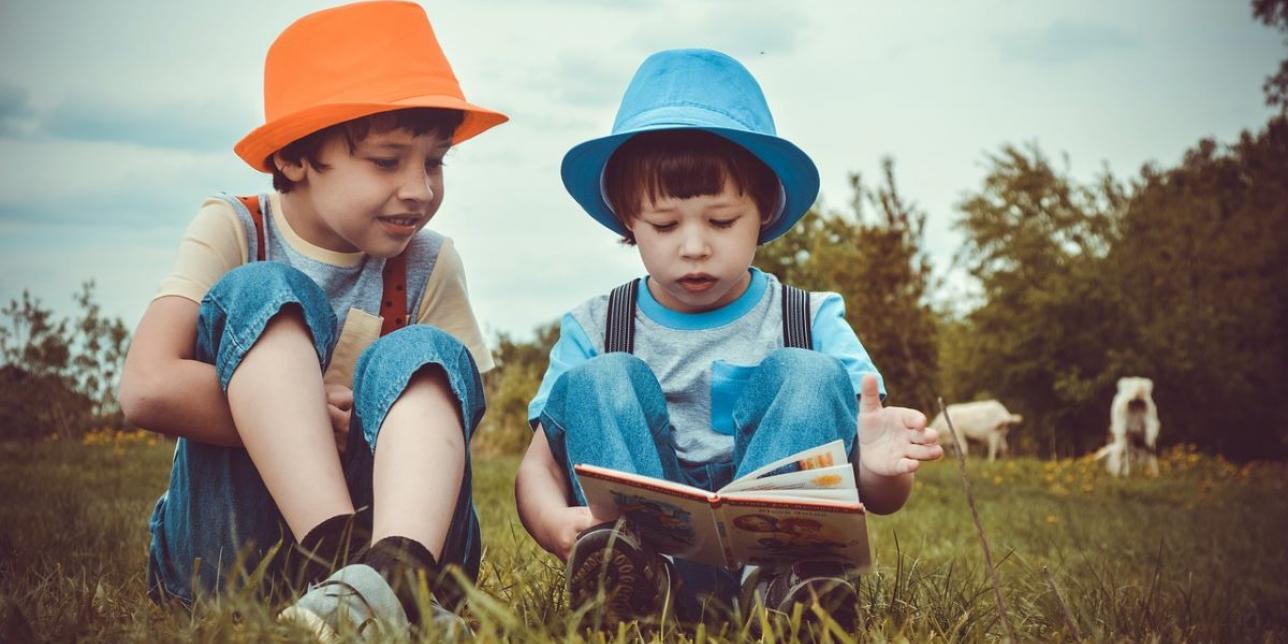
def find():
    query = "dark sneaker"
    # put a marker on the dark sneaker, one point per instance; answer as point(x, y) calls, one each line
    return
point(636, 583)
point(780, 588)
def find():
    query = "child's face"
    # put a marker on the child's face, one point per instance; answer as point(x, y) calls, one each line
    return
point(373, 200)
point(697, 250)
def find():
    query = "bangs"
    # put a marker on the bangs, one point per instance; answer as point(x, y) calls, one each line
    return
point(681, 164)
point(418, 121)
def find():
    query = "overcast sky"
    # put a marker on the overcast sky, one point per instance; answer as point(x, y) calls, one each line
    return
point(118, 118)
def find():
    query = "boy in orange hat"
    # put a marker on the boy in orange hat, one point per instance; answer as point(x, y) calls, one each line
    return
point(314, 349)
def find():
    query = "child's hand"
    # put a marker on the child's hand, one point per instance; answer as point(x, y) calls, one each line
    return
point(339, 405)
point(563, 526)
point(893, 440)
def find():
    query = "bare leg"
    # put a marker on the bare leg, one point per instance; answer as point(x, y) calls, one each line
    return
point(419, 463)
point(279, 407)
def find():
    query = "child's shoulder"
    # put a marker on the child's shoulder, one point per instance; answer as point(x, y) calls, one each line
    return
point(429, 245)
point(593, 310)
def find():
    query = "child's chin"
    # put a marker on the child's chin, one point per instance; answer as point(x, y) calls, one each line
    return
point(386, 250)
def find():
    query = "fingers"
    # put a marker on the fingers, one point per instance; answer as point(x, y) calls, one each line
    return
point(913, 419)
point(339, 417)
point(927, 436)
point(907, 465)
point(924, 452)
point(869, 394)
point(586, 519)
point(339, 396)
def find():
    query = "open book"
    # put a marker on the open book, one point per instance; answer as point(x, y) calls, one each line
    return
point(805, 506)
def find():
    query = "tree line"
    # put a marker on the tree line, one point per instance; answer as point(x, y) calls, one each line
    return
point(1179, 274)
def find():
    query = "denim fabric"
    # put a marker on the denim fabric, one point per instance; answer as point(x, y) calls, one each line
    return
point(610, 412)
point(217, 518)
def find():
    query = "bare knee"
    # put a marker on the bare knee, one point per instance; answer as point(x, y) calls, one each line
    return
point(429, 388)
point(289, 322)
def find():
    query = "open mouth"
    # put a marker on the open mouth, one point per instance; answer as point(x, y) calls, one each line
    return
point(399, 225)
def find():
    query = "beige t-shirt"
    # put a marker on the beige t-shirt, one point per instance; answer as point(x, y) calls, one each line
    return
point(215, 243)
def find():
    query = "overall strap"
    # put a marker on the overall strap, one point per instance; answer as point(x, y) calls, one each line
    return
point(393, 295)
point(252, 204)
point(619, 332)
point(796, 319)
point(393, 306)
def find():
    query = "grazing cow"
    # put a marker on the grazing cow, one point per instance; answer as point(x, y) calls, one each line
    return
point(984, 421)
point(1133, 428)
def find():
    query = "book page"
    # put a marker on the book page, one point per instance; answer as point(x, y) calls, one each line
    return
point(673, 518)
point(768, 533)
point(836, 477)
point(802, 496)
point(826, 455)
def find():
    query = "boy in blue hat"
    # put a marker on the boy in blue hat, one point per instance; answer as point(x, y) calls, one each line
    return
point(707, 368)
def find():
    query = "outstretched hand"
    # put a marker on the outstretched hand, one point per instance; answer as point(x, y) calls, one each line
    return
point(892, 440)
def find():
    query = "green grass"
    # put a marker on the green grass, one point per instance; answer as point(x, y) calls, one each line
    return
point(1196, 554)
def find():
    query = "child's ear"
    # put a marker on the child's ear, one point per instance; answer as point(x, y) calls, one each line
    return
point(293, 170)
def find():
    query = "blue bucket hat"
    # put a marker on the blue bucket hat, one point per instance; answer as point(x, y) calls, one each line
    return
point(697, 89)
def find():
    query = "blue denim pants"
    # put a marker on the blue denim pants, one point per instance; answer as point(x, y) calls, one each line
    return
point(610, 411)
point(217, 519)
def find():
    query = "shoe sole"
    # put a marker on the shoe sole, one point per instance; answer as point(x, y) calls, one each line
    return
point(309, 620)
point(619, 566)
point(614, 572)
point(835, 596)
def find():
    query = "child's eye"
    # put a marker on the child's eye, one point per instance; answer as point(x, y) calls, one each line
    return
point(723, 223)
point(662, 228)
point(385, 164)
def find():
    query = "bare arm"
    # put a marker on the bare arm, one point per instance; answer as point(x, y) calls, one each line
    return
point(541, 491)
point(163, 388)
point(883, 494)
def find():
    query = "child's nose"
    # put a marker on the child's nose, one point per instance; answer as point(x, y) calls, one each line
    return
point(694, 245)
point(416, 186)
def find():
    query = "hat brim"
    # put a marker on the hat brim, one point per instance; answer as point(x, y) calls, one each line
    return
point(583, 168)
point(266, 139)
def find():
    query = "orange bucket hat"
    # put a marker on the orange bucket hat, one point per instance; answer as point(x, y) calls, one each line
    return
point(351, 61)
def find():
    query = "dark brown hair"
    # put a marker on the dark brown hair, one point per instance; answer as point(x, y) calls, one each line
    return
point(683, 164)
point(417, 120)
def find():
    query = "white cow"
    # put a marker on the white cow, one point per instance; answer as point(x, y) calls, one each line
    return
point(983, 421)
point(1133, 428)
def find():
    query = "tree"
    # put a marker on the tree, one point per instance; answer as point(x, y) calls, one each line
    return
point(58, 377)
point(1035, 241)
point(1274, 14)
point(1200, 257)
point(510, 387)
point(1178, 277)
point(876, 263)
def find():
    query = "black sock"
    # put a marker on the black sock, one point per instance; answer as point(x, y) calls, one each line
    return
point(330, 545)
point(400, 560)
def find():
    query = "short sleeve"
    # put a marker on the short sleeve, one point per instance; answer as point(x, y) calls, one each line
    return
point(446, 305)
point(213, 244)
point(834, 337)
point(573, 348)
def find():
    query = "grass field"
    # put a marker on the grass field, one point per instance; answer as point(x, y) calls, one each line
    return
point(1197, 554)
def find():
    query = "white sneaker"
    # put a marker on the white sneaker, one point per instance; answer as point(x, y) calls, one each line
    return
point(354, 600)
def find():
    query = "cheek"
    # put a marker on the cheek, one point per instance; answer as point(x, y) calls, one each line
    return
point(437, 184)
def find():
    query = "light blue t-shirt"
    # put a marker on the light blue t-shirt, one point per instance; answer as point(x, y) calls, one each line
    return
point(702, 360)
